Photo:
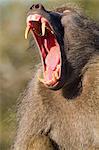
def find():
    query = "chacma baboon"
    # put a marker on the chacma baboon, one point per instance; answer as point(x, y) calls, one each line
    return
point(60, 111)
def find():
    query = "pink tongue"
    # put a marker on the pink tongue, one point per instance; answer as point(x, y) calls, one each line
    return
point(52, 59)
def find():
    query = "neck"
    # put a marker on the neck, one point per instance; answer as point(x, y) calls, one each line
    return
point(73, 89)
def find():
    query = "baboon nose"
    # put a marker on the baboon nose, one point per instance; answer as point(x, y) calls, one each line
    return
point(37, 7)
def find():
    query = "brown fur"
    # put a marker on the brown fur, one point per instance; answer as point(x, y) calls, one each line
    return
point(66, 119)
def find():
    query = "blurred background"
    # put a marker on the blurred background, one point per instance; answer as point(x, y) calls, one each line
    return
point(19, 57)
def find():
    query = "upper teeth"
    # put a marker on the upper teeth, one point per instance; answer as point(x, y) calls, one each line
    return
point(27, 32)
point(43, 28)
point(35, 18)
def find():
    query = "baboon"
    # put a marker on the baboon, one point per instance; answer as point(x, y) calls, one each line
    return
point(60, 108)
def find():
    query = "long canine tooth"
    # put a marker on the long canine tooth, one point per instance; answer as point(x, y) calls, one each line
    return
point(56, 75)
point(41, 80)
point(43, 28)
point(58, 68)
point(27, 32)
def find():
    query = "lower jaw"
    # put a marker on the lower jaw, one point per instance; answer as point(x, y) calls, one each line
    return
point(57, 86)
point(49, 83)
point(62, 80)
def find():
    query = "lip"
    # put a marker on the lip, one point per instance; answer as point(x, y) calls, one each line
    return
point(49, 48)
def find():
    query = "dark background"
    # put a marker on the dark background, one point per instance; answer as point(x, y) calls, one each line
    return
point(18, 59)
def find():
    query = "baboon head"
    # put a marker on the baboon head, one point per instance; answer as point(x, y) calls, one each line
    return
point(62, 38)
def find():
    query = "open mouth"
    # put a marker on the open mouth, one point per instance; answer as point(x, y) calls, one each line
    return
point(49, 48)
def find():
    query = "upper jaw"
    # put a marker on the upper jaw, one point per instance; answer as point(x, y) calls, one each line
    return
point(36, 18)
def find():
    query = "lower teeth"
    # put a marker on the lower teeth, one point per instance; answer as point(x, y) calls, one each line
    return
point(41, 80)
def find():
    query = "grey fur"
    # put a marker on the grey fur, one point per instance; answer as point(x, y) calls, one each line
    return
point(66, 119)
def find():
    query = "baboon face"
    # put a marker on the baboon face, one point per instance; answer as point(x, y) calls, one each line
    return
point(48, 30)
point(48, 33)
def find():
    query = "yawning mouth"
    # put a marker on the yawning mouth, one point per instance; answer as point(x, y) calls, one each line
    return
point(45, 38)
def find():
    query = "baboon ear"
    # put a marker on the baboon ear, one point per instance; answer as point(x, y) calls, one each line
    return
point(72, 18)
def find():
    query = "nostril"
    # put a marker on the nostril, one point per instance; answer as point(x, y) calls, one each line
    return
point(37, 6)
point(32, 7)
